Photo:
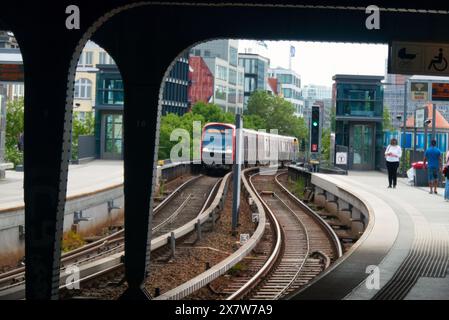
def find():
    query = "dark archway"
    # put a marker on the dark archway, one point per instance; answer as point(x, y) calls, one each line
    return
point(144, 39)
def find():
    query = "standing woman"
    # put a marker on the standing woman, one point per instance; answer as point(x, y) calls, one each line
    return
point(393, 154)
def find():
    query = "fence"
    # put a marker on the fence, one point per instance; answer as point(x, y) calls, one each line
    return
point(86, 147)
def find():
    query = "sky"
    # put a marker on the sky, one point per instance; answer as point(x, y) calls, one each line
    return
point(317, 62)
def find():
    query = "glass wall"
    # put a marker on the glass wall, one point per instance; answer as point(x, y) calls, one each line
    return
point(220, 92)
point(359, 100)
point(233, 56)
point(222, 73)
point(110, 91)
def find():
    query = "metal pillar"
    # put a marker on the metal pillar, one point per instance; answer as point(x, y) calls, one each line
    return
point(404, 129)
point(236, 172)
point(434, 115)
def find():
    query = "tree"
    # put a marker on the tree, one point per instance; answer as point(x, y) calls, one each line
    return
point(81, 127)
point(266, 111)
point(325, 144)
point(14, 128)
point(387, 123)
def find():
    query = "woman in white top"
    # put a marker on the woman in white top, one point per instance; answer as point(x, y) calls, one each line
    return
point(393, 154)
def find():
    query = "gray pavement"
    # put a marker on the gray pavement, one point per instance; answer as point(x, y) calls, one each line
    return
point(421, 216)
point(83, 178)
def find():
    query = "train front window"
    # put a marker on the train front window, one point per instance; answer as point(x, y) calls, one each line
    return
point(217, 138)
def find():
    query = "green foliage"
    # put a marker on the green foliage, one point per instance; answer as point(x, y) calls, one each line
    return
point(387, 123)
point(14, 127)
point(71, 241)
point(81, 128)
point(266, 111)
point(212, 113)
point(333, 119)
point(325, 144)
point(237, 269)
point(13, 155)
point(299, 187)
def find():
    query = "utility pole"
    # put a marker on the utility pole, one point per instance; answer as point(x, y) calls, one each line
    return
point(434, 115)
point(404, 129)
point(236, 173)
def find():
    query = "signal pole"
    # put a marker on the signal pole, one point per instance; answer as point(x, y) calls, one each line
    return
point(236, 170)
point(315, 137)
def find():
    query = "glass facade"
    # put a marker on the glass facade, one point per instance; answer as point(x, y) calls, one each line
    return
point(359, 100)
point(110, 91)
point(232, 76)
point(220, 92)
point(359, 111)
point(222, 73)
point(233, 56)
point(232, 95)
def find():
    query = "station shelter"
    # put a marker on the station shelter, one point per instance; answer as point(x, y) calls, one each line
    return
point(358, 103)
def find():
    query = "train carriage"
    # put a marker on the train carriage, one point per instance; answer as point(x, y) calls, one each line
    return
point(259, 148)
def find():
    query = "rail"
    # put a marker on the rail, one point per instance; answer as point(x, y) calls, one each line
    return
point(276, 249)
point(17, 275)
point(306, 256)
point(314, 215)
point(226, 264)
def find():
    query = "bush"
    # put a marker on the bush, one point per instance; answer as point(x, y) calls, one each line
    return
point(13, 155)
point(71, 241)
point(237, 269)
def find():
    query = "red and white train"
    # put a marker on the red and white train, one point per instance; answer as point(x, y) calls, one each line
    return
point(218, 144)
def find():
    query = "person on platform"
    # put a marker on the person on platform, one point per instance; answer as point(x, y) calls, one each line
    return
point(393, 154)
point(433, 159)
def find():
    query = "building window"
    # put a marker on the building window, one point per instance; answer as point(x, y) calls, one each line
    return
point(285, 78)
point(222, 73)
point(232, 97)
point(86, 59)
point(287, 93)
point(250, 84)
point(83, 89)
point(233, 56)
point(111, 91)
point(232, 76)
point(17, 91)
point(220, 92)
point(105, 58)
point(206, 53)
point(240, 79)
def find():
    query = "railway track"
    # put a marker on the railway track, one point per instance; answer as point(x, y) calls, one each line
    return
point(304, 245)
point(178, 207)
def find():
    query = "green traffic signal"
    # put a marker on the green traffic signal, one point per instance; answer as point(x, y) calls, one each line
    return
point(315, 123)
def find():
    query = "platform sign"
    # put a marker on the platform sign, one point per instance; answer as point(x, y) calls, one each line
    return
point(420, 115)
point(244, 237)
point(11, 72)
point(418, 58)
point(419, 91)
point(341, 158)
point(440, 91)
point(255, 217)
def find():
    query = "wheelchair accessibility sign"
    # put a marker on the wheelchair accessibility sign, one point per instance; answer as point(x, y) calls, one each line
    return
point(418, 58)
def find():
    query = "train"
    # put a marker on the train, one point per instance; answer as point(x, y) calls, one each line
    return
point(218, 145)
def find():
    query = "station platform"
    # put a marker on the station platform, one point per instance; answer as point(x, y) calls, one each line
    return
point(82, 179)
point(408, 240)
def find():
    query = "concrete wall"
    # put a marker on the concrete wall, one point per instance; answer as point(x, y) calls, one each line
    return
point(94, 208)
